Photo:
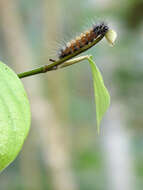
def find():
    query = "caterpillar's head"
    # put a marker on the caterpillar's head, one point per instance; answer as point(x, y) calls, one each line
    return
point(100, 29)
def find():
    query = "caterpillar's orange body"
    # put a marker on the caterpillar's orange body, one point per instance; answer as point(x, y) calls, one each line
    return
point(84, 39)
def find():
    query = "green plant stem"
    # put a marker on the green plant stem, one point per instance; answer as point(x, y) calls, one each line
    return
point(58, 64)
point(73, 61)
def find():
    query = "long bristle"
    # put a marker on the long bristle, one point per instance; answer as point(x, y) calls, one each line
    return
point(83, 40)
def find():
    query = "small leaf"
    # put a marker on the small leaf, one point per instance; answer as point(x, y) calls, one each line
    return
point(14, 115)
point(111, 36)
point(102, 97)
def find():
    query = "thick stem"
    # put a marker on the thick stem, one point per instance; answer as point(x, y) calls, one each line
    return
point(55, 65)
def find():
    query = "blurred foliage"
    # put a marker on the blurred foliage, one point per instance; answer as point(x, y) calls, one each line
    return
point(122, 69)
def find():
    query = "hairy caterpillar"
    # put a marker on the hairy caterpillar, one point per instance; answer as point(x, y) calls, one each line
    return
point(83, 40)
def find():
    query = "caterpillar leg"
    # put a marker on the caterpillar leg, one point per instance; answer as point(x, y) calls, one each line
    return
point(52, 60)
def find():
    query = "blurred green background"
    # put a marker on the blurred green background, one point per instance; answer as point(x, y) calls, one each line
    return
point(63, 150)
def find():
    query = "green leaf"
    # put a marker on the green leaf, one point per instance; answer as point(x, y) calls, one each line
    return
point(14, 115)
point(102, 97)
